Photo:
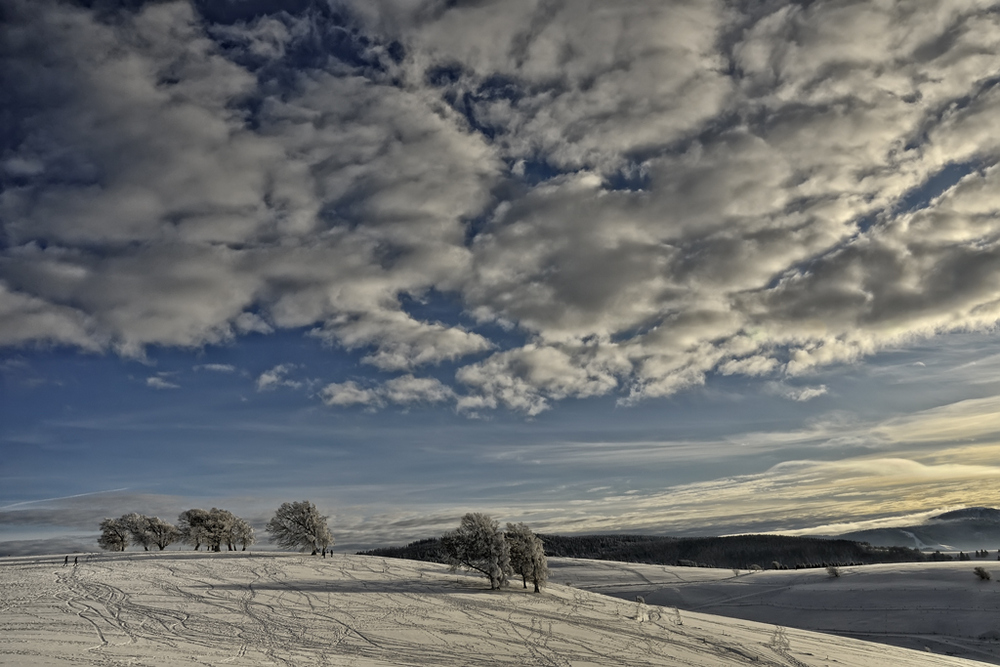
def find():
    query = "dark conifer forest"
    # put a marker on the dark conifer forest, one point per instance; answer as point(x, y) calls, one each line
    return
point(738, 551)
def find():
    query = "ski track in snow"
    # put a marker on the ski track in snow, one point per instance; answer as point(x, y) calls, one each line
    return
point(177, 608)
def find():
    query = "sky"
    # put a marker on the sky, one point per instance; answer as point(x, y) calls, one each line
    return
point(682, 267)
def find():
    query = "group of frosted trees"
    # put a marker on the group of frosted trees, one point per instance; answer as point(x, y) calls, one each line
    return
point(297, 525)
point(212, 528)
point(479, 544)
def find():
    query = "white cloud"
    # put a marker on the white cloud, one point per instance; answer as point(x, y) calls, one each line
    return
point(754, 365)
point(25, 319)
point(400, 341)
point(346, 394)
point(800, 394)
point(403, 390)
point(771, 159)
point(788, 497)
point(408, 389)
point(526, 378)
point(969, 420)
point(277, 377)
point(210, 229)
point(216, 368)
point(157, 382)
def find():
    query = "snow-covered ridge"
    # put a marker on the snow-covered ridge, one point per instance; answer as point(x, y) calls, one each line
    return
point(170, 609)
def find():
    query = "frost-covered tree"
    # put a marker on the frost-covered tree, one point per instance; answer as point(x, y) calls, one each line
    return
point(219, 529)
point(138, 528)
point(161, 533)
point(214, 528)
point(193, 526)
point(527, 555)
point(114, 535)
point(242, 533)
point(478, 544)
point(299, 525)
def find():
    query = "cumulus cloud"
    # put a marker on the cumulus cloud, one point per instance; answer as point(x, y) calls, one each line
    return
point(277, 377)
point(168, 219)
point(409, 389)
point(403, 390)
point(400, 341)
point(647, 193)
point(346, 394)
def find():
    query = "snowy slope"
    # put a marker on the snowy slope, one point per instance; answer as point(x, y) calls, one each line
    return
point(943, 607)
point(177, 609)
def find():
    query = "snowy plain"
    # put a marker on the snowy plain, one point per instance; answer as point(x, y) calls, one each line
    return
point(183, 608)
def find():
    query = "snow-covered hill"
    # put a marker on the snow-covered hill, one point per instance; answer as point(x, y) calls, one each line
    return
point(943, 607)
point(968, 529)
point(173, 609)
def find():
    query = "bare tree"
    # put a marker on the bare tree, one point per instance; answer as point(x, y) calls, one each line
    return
point(527, 555)
point(299, 525)
point(478, 544)
point(114, 535)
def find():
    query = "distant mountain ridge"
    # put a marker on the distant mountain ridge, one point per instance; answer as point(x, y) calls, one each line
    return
point(978, 513)
point(967, 529)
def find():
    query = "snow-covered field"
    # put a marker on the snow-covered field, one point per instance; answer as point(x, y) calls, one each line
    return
point(174, 608)
point(943, 607)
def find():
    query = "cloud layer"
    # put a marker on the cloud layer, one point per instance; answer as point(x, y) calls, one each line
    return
point(645, 193)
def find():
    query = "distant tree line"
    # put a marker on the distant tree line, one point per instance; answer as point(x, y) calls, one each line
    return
point(296, 525)
point(739, 551)
point(212, 528)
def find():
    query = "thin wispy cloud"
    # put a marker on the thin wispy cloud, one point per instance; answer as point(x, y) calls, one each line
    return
point(216, 368)
point(794, 393)
point(157, 382)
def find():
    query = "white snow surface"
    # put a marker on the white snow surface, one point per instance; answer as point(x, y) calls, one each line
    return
point(941, 607)
point(167, 609)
